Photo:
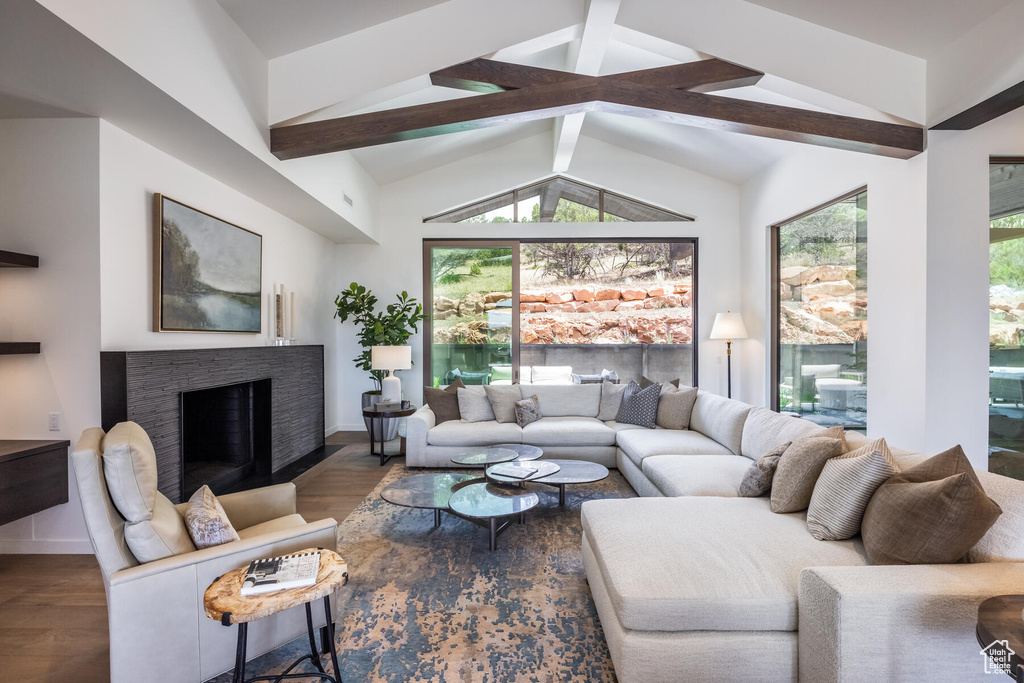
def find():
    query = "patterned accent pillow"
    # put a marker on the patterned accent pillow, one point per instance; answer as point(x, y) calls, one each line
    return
point(640, 406)
point(844, 489)
point(798, 471)
point(527, 411)
point(757, 480)
point(207, 523)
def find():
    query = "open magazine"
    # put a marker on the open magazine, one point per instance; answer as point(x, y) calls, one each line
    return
point(280, 573)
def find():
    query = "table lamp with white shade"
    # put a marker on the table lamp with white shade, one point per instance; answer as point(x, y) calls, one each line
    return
point(389, 359)
point(728, 326)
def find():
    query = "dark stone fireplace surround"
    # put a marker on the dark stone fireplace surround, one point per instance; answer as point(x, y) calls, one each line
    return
point(146, 387)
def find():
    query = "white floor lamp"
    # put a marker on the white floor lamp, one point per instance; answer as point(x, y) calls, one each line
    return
point(728, 326)
point(389, 359)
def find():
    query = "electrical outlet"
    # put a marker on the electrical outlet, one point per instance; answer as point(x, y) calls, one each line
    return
point(54, 422)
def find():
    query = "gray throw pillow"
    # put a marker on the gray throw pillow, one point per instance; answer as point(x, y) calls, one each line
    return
point(644, 382)
point(207, 523)
point(611, 400)
point(675, 406)
point(844, 488)
point(527, 410)
point(798, 471)
point(444, 402)
point(640, 406)
point(757, 480)
point(503, 399)
point(474, 407)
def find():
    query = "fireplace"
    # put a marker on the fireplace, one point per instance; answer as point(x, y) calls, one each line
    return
point(225, 435)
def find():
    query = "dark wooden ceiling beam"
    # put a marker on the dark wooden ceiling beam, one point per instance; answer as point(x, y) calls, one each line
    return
point(490, 76)
point(764, 120)
point(667, 94)
point(983, 112)
point(436, 118)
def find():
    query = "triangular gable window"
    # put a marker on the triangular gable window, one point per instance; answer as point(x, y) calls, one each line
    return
point(557, 200)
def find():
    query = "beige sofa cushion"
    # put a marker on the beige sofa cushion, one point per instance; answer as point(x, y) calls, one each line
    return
point(642, 443)
point(474, 433)
point(162, 535)
point(279, 524)
point(568, 431)
point(696, 475)
point(675, 406)
point(129, 466)
point(503, 401)
point(105, 523)
point(720, 418)
point(765, 429)
point(798, 471)
point(705, 563)
point(567, 400)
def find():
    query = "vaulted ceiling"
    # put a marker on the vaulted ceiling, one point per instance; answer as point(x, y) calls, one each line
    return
point(330, 59)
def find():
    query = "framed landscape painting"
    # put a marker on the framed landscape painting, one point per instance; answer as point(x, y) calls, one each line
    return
point(207, 274)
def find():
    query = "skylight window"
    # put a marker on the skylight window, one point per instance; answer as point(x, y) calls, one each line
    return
point(557, 200)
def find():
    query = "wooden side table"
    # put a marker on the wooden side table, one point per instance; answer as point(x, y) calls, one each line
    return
point(374, 414)
point(1001, 633)
point(224, 602)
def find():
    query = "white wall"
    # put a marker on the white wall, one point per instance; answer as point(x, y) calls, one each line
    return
point(896, 274)
point(131, 171)
point(396, 264)
point(49, 207)
point(927, 278)
point(958, 278)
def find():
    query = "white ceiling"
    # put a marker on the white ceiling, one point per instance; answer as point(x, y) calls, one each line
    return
point(916, 27)
point(279, 27)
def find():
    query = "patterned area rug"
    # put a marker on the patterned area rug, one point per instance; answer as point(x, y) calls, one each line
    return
point(427, 604)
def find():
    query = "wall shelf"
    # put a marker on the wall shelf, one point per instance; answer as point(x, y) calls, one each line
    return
point(9, 348)
point(11, 259)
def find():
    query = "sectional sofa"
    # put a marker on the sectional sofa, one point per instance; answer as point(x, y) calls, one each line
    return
point(692, 583)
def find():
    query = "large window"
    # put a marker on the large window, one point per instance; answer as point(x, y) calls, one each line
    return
point(1006, 317)
point(557, 200)
point(819, 284)
point(542, 312)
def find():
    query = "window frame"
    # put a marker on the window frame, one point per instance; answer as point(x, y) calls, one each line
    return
point(516, 245)
point(681, 218)
point(774, 357)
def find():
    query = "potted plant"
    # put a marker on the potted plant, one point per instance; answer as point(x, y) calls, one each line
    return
point(391, 327)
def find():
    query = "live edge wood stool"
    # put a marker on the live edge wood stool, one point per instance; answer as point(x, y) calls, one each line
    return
point(225, 603)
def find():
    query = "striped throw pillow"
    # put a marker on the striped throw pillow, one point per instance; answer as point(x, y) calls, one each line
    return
point(844, 489)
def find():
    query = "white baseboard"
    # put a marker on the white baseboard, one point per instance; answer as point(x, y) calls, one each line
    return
point(40, 547)
point(331, 430)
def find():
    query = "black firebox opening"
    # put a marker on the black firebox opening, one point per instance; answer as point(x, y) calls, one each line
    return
point(225, 435)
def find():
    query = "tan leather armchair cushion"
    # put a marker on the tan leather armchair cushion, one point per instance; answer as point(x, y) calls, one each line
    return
point(129, 466)
point(162, 535)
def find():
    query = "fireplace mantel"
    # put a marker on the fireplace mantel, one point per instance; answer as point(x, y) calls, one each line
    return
point(145, 387)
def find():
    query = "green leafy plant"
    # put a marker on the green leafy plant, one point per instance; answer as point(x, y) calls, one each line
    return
point(391, 327)
point(474, 269)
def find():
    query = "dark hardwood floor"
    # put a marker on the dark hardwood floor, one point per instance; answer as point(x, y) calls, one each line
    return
point(53, 611)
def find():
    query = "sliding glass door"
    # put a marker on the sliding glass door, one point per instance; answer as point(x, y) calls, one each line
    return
point(820, 305)
point(472, 288)
point(547, 312)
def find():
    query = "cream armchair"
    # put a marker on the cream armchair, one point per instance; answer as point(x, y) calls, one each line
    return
point(158, 629)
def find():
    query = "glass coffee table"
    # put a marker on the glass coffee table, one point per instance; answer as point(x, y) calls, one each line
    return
point(492, 506)
point(572, 472)
point(481, 456)
point(528, 471)
point(429, 491)
point(525, 451)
